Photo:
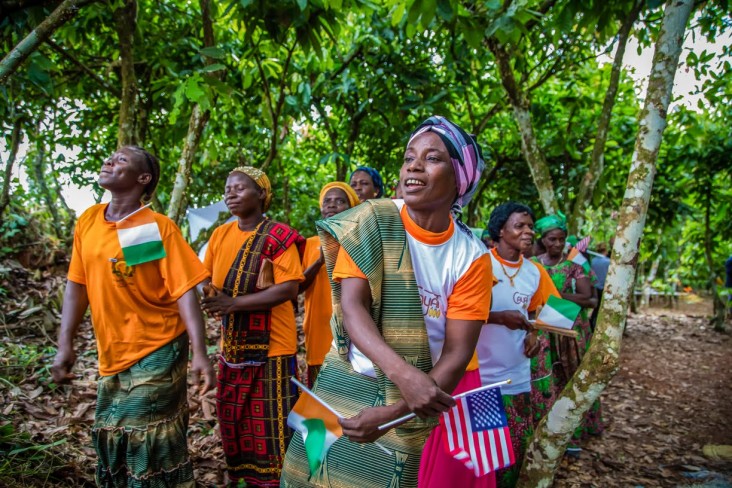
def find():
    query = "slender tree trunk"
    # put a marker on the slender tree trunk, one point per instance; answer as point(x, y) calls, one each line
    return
point(529, 144)
point(196, 125)
point(601, 361)
point(39, 172)
point(597, 160)
point(63, 13)
point(126, 23)
point(8, 173)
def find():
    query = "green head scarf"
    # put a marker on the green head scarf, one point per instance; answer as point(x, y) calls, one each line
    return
point(551, 222)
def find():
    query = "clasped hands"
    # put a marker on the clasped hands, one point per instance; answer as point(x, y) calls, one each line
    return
point(420, 395)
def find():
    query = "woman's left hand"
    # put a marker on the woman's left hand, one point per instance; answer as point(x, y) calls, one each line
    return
point(531, 345)
point(220, 304)
point(364, 426)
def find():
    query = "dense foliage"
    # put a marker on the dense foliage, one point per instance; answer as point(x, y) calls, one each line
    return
point(311, 88)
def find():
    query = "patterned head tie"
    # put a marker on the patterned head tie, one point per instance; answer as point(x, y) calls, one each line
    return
point(465, 154)
point(260, 178)
point(551, 222)
point(350, 193)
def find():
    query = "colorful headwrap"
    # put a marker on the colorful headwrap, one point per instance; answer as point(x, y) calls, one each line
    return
point(551, 222)
point(375, 176)
point(465, 153)
point(350, 193)
point(260, 178)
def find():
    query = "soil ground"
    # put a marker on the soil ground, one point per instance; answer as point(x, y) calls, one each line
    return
point(670, 398)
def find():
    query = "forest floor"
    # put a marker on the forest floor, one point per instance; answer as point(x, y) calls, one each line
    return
point(670, 399)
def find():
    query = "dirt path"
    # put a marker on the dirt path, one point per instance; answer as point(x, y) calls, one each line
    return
point(671, 397)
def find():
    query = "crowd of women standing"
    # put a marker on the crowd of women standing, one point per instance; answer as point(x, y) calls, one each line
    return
point(404, 307)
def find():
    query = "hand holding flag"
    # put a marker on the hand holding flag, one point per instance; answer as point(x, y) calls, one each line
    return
point(558, 315)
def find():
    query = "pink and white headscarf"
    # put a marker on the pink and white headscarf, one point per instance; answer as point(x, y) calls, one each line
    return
point(465, 154)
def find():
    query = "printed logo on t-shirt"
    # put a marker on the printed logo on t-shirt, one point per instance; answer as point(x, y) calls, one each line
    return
point(121, 272)
point(521, 299)
point(430, 303)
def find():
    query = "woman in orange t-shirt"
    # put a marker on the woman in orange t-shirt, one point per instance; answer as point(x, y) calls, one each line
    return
point(255, 271)
point(335, 197)
point(137, 273)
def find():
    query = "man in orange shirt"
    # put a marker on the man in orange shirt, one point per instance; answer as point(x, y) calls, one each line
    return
point(335, 197)
point(137, 273)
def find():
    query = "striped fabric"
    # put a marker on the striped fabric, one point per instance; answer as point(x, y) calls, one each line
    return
point(350, 464)
point(374, 236)
point(141, 421)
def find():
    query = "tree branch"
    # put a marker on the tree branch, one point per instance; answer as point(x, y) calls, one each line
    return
point(63, 13)
point(14, 144)
point(66, 55)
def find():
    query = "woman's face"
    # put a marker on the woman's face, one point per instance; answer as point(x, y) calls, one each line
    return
point(363, 185)
point(554, 242)
point(518, 232)
point(242, 195)
point(123, 170)
point(427, 178)
point(335, 201)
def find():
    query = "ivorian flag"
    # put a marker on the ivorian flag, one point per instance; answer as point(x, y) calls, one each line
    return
point(139, 237)
point(558, 313)
point(319, 428)
point(577, 258)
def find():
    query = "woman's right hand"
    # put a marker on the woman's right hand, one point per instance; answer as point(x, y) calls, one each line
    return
point(61, 368)
point(421, 393)
point(513, 319)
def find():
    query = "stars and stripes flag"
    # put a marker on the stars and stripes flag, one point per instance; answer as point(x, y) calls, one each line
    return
point(477, 432)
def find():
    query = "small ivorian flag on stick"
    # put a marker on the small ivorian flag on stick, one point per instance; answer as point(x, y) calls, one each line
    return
point(577, 258)
point(139, 237)
point(558, 313)
point(319, 428)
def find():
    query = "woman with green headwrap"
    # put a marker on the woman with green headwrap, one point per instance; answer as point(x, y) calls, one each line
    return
point(574, 283)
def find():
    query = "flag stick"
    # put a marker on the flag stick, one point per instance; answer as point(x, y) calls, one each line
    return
point(331, 409)
point(456, 397)
point(556, 330)
point(133, 213)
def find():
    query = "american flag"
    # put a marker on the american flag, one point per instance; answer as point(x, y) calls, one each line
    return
point(477, 432)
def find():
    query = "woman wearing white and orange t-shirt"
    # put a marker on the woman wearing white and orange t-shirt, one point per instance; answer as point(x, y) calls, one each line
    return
point(411, 290)
point(507, 342)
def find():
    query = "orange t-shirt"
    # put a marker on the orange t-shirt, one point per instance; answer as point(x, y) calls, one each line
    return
point(318, 308)
point(224, 245)
point(134, 308)
point(470, 297)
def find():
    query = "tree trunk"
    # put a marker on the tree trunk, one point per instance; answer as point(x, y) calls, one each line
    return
point(601, 361)
point(63, 13)
point(597, 160)
point(126, 23)
point(39, 173)
point(196, 125)
point(8, 173)
point(529, 145)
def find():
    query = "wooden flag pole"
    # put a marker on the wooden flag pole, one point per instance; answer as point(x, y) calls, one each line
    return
point(556, 330)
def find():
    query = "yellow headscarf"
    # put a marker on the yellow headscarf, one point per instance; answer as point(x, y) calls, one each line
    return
point(350, 193)
point(260, 178)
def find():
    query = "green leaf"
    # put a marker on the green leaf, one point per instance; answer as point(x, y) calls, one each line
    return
point(303, 4)
point(213, 52)
point(398, 14)
point(213, 67)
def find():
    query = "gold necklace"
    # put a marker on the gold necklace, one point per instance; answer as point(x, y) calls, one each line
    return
point(511, 277)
